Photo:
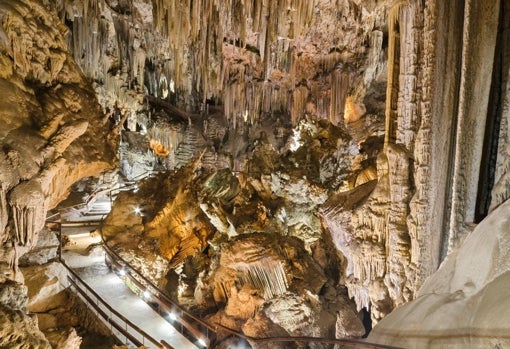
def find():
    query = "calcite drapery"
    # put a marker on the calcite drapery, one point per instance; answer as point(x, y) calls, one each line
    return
point(256, 57)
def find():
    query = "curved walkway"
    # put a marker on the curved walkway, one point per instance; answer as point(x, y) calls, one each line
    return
point(89, 264)
point(86, 257)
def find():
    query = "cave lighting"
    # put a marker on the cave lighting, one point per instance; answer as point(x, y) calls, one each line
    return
point(202, 342)
point(295, 140)
point(137, 210)
point(171, 316)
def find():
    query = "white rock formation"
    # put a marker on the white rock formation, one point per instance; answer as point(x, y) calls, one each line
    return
point(465, 303)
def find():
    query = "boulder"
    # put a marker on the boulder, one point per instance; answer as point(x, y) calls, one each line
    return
point(19, 331)
point(44, 250)
point(45, 286)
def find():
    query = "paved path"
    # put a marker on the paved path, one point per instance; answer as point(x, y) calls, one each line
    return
point(91, 267)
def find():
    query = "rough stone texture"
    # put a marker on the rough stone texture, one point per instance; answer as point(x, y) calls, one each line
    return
point(289, 95)
point(19, 331)
point(249, 244)
point(63, 339)
point(51, 127)
point(481, 22)
point(43, 251)
point(14, 295)
point(45, 286)
point(52, 134)
point(470, 289)
point(249, 58)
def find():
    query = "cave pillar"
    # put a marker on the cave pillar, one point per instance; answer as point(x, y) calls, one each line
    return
point(479, 37)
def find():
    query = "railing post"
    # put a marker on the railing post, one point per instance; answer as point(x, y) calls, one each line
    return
point(60, 240)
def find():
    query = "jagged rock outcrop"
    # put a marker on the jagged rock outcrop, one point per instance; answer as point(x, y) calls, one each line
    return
point(20, 331)
point(247, 243)
point(53, 127)
point(46, 288)
point(64, 339)
point(44, 250)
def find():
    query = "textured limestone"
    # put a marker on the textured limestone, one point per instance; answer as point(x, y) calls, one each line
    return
point(470, 286)
point(245, 243)
point(45, 286)
point(64, 339)
point(52, 134)
point(19, 331)
point(44, 250)
point(248, 58)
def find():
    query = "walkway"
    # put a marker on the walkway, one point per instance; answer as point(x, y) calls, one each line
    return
point(85, 256)
point(88, 261)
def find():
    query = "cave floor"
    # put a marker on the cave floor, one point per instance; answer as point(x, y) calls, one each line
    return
point(89, 263)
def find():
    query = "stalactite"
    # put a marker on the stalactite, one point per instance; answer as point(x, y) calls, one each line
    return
point(340, 83)
point(26, 224)
point(410, 25)
point(269, 277)
point(299, 100)
point(360, 294)
point(4, 211)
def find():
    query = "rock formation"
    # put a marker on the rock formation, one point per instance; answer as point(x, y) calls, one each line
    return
point(52, 134)
point(470, 286)
point(358, 141)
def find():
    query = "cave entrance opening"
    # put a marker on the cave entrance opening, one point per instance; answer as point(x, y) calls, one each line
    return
point(499, 83)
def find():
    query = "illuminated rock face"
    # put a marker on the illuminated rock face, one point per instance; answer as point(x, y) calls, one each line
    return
point(52, 134)
point(253, 57)
point(362, 134)
point(249, 244)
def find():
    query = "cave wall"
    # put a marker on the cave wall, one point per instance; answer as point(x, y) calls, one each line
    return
point(261, 58)
point(440, 73)
point(53, 133)
point(426, 67)
point(480, 33)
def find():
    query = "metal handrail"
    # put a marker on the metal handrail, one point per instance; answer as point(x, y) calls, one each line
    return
point(164, 300)
point(167, 302)
point(74, 279)
point(340, 341)
point(161, 294)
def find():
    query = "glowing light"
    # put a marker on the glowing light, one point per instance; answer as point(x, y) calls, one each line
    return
point(295, 141)
point(172, 316)
point(137, 210)
point(202, 342)
point(146, 294)
point(180, 289)
point(122, 272)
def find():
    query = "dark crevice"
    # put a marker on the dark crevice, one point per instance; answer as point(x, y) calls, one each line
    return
point(493, 123)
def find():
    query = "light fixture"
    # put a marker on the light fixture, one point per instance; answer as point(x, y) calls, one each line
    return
point(202, 342)
point(122, 272)
point(146, 294)
point(172, 316)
